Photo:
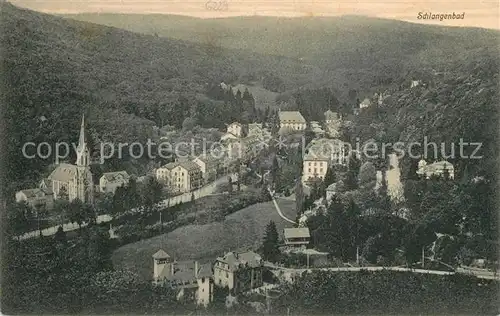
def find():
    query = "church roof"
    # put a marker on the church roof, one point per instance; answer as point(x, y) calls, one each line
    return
point(64, 172)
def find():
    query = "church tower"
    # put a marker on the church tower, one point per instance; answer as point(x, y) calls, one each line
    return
point(84, 181)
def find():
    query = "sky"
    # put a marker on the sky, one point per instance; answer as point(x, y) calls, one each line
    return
point(478, 13)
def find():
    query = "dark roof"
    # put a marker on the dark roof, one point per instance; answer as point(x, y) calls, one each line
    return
point(189, 165)
point(116, 176)
point(170, 165)
point(235, 259)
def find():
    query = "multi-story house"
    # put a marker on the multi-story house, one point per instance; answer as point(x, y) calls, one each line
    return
point(110, 181)
point(322, 154)
point(292, 120)
point(239, 271)
point(210, 166)
point(181, 176)
point(191, 282)
point(314, 167)
point(237, 129)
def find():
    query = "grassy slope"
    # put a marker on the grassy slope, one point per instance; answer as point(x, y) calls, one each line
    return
point(241, 230)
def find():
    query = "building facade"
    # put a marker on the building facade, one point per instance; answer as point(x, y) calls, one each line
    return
point(237, 129)
point(239, 271)
point(296, 237)
point(209, 165)
point(183, 176)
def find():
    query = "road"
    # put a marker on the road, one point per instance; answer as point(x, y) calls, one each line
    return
point(206, 190)
point(289, 273)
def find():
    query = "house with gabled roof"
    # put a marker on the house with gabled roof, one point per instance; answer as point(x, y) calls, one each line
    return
point(191, 281)
point(296, 237)
point(110, 181)
point(239, 271)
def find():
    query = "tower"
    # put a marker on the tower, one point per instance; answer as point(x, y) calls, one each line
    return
point(84, 181)
point(162, 266)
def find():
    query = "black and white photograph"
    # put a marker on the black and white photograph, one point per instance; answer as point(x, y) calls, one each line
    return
point(238, 157)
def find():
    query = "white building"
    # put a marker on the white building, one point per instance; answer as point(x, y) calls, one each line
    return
point(182, 176)
point(237, 129)
point(292, 120)
point(321, 154)
point(366, 103)
point(435, 169)
point(110, 181)
point(192, 282)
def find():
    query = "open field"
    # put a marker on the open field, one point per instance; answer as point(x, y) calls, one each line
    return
point(240, 230)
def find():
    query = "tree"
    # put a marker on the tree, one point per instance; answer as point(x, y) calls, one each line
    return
point(299, 197)
point(270, 244)
point(329, 177)
point(230, 184)
point(152, 192)
point(367, 175)
point(188, 124)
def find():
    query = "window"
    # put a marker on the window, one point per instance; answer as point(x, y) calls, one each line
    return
point(309, 170)
point(321, 170)
point(314, 164)
point(309, 164)
point(227, 275)
point(315, 170)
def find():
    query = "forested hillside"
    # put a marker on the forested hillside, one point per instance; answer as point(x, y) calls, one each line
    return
point(355, 52)
point(54, 70)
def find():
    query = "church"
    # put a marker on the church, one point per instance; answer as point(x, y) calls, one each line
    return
point(75, 181)
point(67, 181)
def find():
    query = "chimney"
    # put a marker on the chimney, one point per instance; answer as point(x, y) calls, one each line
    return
point(196, 269)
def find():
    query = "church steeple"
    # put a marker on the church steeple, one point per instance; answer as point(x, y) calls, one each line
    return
point(82, 152)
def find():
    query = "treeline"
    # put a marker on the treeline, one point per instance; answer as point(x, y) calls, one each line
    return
point(387, 293)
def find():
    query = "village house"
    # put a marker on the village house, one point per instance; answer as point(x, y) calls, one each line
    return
point(292, 120)
point(183, 176)
point(41, 197)
point(366, 103)
point(237, 129)
point(331, 117)
point(296, 237)
point(239, 271)
point(210, 166)
point(191, 281)
point(438, 169)
point(331, 190)
point(110, 181)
